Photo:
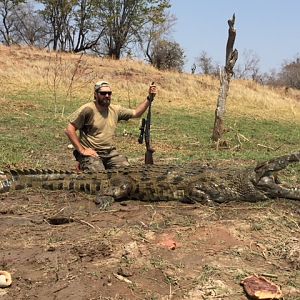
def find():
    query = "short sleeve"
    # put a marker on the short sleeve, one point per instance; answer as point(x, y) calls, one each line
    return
point(125, 113)
point(81, 117)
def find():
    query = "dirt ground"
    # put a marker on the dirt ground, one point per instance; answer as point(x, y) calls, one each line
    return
point(59, 245)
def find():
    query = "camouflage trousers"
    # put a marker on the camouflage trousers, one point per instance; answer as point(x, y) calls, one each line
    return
point(108, 159)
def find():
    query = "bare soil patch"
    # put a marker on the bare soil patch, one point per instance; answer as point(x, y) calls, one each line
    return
point(59, 245)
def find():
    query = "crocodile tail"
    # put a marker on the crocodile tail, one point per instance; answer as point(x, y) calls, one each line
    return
point(51, 180)
point(17, 179)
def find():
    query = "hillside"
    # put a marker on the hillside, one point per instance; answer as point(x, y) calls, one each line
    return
point(44, 74)
point(40, 89)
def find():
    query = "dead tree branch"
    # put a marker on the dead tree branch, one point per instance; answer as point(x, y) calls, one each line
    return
point(225, 77)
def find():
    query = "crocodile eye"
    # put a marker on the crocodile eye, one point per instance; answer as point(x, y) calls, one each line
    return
point(124, 187)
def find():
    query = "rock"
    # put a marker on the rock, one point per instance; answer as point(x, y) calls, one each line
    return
point(258, 287)
point(125, 271)
point(5, 279)
point(2, 280)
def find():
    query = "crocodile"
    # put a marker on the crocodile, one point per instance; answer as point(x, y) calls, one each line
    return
point(190, 183)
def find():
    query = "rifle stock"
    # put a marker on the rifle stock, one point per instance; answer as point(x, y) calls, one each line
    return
point(149, 156)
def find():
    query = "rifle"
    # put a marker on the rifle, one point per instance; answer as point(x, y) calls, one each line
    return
point(142, 131)
point(145, 134)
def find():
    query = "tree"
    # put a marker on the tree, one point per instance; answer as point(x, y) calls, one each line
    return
point(57, 14)
point(225, 77)
point(152, 33)
point(290, 74)
point(250, 67)
point(107, 27)
point(30, 28)
point(167, 55)
point(206, 64)
point(7, 26)
point(75, 25)
point(124, 20)
point(87, 29)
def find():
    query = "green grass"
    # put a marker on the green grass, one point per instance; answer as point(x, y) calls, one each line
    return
point(33, 128)
point(190, 136)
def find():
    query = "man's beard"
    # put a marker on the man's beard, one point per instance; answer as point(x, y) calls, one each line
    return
point(104, 102)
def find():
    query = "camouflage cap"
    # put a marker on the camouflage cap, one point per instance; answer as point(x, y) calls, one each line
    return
point(100, 84)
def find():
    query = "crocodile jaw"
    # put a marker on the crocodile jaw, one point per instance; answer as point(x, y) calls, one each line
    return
point(266, 182)
point(271, 189)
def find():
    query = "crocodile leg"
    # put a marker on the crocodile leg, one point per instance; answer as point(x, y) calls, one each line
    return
point(118, 189)
point(103, 201)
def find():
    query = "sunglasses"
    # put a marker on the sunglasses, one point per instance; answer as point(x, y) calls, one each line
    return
point(104, 93)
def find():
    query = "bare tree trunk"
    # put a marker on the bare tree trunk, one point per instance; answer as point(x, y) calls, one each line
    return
point(225, 76)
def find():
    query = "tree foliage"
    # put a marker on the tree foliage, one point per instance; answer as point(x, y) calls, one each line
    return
point(124, 21)
point(57, 14)
point(106, 27)
point(289, 75)
point(88, 27)
point(152, 33)
point(168, 55)
point(206, 64)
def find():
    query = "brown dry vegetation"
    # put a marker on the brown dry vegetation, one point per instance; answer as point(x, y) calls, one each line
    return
point(26, 69)
point(135, 250)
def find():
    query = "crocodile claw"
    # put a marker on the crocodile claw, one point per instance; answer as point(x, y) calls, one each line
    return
point(103, 202)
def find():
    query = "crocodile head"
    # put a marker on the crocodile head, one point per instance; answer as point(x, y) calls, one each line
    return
point(250, 184)
point(266, 181)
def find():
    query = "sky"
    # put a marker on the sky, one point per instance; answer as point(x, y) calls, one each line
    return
point(270, 29)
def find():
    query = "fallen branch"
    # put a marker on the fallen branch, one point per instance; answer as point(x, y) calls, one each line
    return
point(264, 146)
point(122, 278)
point(83, 222)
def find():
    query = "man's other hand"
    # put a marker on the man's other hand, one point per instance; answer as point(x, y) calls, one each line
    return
point(89, 152)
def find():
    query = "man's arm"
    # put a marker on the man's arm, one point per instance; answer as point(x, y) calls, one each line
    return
point(142, 107)
point(70, 131)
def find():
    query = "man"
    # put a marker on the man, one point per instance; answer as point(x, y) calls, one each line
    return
point(97, 122)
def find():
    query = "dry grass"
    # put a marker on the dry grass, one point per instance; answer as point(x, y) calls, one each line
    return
point(72, 76)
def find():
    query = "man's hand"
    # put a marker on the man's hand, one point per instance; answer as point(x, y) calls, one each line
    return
point(89, 152)
point(142, 107)
point(152, 91)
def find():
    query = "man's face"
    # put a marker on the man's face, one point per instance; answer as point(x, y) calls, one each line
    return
point(103, 96)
